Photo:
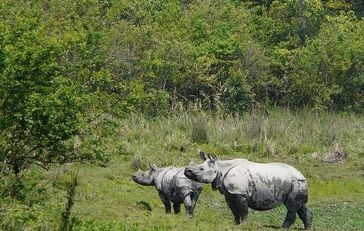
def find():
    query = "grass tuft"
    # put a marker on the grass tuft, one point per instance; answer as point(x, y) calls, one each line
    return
point(199, 130)
point(137, 162)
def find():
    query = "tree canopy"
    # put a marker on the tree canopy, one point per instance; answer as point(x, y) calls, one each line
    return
point(64, 63)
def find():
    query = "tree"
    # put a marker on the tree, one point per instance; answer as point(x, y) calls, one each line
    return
point(328, 72)
point(41, 100)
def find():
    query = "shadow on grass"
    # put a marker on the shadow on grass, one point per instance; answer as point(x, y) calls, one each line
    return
point(272, 226)
point(280, 227)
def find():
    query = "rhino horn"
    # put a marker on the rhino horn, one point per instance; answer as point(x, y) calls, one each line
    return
point(153, 166)
point(192, 162)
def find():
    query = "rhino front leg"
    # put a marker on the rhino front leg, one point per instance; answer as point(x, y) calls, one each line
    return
point(167, 204)
point(189, 205)
point(233, 209)
point(239, 207)
point(194, 197)
point(242, 204)
point(177, 207)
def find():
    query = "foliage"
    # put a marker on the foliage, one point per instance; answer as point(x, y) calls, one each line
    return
point(42, 88)
point(328, 72)
point(230, 56)
point(74, 75)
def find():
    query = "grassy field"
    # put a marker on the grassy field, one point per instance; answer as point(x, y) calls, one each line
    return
point(107, 198)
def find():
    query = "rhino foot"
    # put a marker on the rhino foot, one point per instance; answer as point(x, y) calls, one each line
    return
point(177, 208)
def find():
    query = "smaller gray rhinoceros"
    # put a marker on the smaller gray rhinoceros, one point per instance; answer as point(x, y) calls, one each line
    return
point(172, 186)
point(254, 185)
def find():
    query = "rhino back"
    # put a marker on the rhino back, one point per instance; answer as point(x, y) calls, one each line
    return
point(174, 184)
point(166, 182)
point(265, 185)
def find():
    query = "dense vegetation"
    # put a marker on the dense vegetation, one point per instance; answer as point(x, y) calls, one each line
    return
point(151, 55)
point(75, 76)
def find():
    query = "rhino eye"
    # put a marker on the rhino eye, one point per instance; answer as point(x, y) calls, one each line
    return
point(201, 168)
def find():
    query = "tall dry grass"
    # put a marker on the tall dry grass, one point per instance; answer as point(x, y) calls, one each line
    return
point(174, 139)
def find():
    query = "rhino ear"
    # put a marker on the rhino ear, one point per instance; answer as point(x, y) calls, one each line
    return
point(203, 155)
point(153, 166)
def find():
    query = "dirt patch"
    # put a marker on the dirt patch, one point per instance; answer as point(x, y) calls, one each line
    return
point(335, 157)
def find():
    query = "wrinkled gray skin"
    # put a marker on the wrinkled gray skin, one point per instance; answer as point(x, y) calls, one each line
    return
point(254, 185)
point(172, 186)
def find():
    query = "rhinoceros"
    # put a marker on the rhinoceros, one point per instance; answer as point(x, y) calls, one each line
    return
point(172, 186)
point(247, 184)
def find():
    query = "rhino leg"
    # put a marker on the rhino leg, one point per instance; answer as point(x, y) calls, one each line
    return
point(194, 197)
point(295, 203)
point(290, 219)
point(239, 207)
point(196, 194)
point(177, 207)
point(167, 204)
point(189, 205)
point(233, 209)
point(306, 216)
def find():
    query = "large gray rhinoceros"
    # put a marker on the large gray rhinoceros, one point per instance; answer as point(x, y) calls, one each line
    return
point(254, 185)
point(172, 186)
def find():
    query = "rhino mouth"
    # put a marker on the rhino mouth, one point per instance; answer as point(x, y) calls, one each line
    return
point(136, 179)
point(189, 174)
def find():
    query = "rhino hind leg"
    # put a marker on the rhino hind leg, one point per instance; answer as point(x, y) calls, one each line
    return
point(167, 204)
point(306, 216)
point(290, 219)
point(296, 203)
point(176, 207)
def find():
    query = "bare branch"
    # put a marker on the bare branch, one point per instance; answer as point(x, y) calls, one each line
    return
point(38, 163)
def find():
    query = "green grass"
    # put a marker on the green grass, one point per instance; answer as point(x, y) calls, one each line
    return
point(336, 204)
point(107, 198)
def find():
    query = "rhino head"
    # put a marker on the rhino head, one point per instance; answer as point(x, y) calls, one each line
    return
point(206, 172)
point(147, 177)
